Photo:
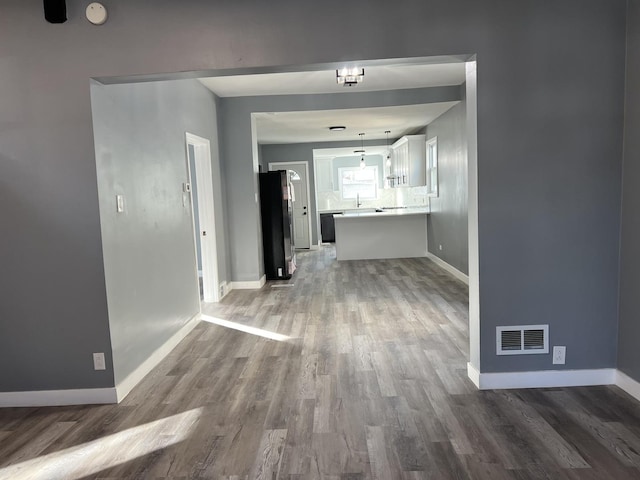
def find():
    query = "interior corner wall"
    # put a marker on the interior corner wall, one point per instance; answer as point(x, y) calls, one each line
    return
point(549, 154)
point(447, 225)
point(237, 153)
point(149, 253)
point(629, 325)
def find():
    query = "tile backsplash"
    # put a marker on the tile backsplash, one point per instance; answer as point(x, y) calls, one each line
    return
point(388, 197)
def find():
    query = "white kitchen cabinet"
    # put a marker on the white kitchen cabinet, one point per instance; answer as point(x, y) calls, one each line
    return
point(408, 159)
point(324, 175)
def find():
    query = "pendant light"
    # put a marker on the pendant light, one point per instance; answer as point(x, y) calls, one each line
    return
point(362, 163)
point(388, 151)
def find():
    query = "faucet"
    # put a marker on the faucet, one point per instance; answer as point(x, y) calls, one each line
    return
point(358, 203)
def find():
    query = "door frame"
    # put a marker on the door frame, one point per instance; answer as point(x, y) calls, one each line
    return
point(304, 163)
point(206, 215)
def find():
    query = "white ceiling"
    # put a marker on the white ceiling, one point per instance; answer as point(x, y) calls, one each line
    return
point(376, 78)
point(348, 151)
point(312, 126)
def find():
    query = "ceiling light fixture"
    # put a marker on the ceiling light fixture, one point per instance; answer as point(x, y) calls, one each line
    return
point(362, 164)
point(337, 128)
point(388, 150)
point(348, 77)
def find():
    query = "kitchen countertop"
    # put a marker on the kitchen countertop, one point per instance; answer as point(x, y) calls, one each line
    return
point(369, 212)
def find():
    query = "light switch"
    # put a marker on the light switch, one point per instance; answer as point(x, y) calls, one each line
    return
point(120, 203)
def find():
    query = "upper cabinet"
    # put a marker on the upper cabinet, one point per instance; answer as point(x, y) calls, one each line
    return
point(408, 157)
point(324, 175)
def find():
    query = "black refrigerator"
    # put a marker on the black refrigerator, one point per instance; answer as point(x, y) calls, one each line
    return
point(276, 211)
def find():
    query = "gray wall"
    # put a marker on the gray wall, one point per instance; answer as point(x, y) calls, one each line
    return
point(629, 326)
point(448, 223)
point(149, 253)
point(241, 173)
point(549, 154)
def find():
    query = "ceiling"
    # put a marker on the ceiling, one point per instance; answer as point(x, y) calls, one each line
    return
point(376, 78)
point(312, 126)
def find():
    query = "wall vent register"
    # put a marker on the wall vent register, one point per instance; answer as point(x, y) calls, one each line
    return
point(522, 340)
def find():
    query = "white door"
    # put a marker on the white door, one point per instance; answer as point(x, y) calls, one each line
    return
point(204, 227)
point(298, 178)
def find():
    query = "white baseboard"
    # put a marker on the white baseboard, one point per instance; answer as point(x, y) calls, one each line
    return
point(250, 285)
point(124, 387)
point(56, 398)
point(541, 378)
point(452, 270)
point(554, 378)
point(628, 384)
point(473, 374)
point(315, 247)
point(226, 288)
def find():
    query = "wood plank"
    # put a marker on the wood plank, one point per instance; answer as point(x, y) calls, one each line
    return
point(371, 384)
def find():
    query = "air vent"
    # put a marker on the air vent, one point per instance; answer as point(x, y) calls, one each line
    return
point(522, 339)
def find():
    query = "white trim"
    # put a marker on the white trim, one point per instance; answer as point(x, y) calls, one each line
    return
point(206, 214)
point(554, 378)
point(628, 384)
point(226, 288)
point(452, 270)
point(473, 374)
point(56, 398)
point(432, 191)
point(471, 129)
point(541, 378)
point(250, 285)
point(125, 386)
point(315, 246)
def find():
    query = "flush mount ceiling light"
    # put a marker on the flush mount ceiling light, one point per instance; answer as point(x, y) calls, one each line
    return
point(337, 128)
point(362, 164)
point(348, 77)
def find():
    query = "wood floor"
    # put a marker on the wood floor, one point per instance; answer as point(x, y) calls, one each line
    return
point(357, 371)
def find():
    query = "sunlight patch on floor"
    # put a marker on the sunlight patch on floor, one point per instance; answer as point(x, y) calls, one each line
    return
point(246, 328)
point(106, 452)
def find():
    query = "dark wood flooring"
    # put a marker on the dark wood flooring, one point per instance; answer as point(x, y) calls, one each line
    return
point(366, 378)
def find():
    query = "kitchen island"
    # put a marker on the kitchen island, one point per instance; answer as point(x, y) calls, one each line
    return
point(393, 233)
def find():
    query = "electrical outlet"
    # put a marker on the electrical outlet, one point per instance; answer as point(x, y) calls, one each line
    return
point(439, 247)
point(559, 354)
point(98, 361)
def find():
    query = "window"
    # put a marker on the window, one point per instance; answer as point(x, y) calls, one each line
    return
point(432, 167)
point(356, 181)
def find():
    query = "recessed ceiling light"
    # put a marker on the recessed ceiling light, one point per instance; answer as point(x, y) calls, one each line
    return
point(337, 128)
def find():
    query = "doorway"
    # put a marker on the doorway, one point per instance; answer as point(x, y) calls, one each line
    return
point(201, 194)
point(298, 173)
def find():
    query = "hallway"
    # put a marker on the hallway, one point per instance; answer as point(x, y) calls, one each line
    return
point(357, 370)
